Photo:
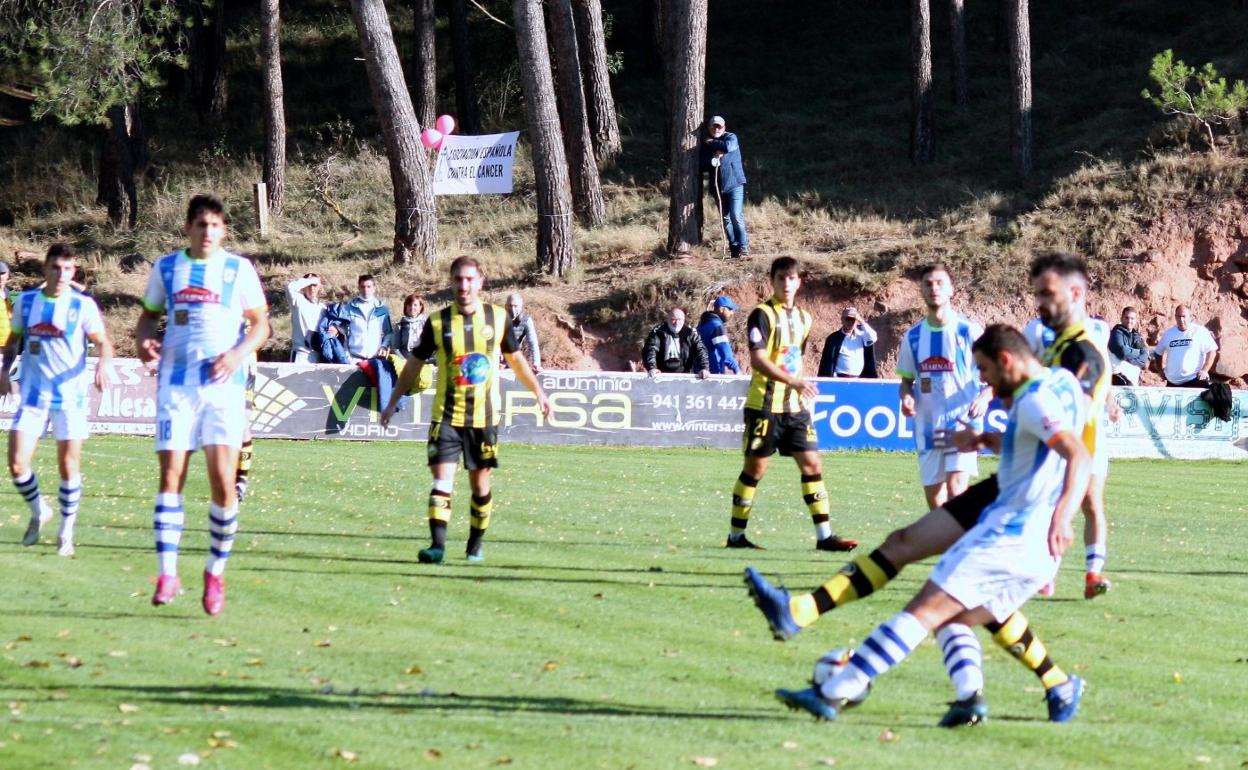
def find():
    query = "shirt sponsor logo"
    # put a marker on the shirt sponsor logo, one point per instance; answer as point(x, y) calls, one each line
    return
point(936, 364)
point(197, 295)
point(474, 369)
point(45, 330)
point(1180, 343)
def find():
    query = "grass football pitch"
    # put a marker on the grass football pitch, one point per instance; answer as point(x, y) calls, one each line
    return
point(606, 628)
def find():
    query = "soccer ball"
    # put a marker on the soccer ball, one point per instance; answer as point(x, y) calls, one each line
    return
point(830, 664)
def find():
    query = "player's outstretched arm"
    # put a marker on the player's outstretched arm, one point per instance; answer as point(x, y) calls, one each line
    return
point(146, 336)
point(1074, 488)
point(520, 365)
point(407, 379)
point(9, 353)
point(104, 365)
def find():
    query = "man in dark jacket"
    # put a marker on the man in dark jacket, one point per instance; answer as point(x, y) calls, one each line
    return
point(673, 348)
point(715, 336)
point(1128, 352)
point(721, 156)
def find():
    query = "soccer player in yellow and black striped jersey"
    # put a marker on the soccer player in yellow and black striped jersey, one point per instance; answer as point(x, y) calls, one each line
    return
point(466, 338)
point(1060, 285)
point(777, 410)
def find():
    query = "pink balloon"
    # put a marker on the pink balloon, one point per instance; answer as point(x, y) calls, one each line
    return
point(431, 138)
point(445, 124)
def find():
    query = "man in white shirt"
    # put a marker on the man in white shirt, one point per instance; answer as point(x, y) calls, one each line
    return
point(1186, 351)
point(849, 351)
point(305, 314)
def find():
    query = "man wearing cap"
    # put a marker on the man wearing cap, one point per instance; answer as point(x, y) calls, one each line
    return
point(715, 336)
point(850, 350)
point(6, 313)
point(306, 310)
point(721, 156)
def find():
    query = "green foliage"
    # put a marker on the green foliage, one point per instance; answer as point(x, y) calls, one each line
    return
point(1201, 95)
point(606, 628)
point(89, 59)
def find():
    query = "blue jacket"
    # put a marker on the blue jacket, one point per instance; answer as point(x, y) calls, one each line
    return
point(331, 349)
point(731, 169)
point(718, 349)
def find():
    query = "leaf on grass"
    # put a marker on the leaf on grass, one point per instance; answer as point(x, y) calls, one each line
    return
point(189, 759)
point(888, 736)
point(322, 643)
point(23, 638)
point(706, 761)
point(1178, 678)
point(413, 670)
point(346, 756)
point(827, 761)
point(127, 708)
point(117, 653)
point(225, 642)
point(432, 754)
point(169, 730)
point(59, 695)
point(73, 662)
point(550, 665)
point(142, 758)
point(503, 761)
point(36, 664)
point(62, 634)
point(1204, 759)
point(255, 662)
point(789, 744)
point(140, 766)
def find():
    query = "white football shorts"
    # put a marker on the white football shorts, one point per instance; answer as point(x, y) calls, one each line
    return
point(190, 417)
point(67, 424)
point(936, 464)
point(998, 572)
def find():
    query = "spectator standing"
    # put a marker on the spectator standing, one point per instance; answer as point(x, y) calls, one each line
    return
point(673, 348)
point(306, 310)
point(525, 330)
point(1187, 351)
point(713, 330)
point(850, 351)
point(6, 318)
point(1128, 352)
point(721, 156)
point(369, 331)
point(407, 330)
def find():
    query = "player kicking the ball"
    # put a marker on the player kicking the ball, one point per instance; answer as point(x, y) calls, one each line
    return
point(51, 326)
point(1013, 550)
point(205, 293)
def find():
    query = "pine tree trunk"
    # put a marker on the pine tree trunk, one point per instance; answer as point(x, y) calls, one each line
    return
point(604, 126)
point(119, 157)
point(467, 114)
point(555, 249)
point(1019, 38)
point(587, 202)
point(274, 108)
point(425, 63)
point(218, 83)
point(957, 50)
point(685, 73)
point(415, 217)
point(922, 133)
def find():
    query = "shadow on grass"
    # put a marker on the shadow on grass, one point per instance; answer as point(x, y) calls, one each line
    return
point(256, 696)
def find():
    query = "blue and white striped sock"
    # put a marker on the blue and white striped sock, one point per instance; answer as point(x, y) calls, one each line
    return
point(167, 524)
point(964, 659)
point(70, 496)
point(222, 524)
point(28, 488)
point(887, 645)
point(1096, 559)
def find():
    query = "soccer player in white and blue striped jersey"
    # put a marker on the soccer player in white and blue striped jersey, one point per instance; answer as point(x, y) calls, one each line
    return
point(1010, 553)
point(940, 387)
point(205, 293)
point(51, 326)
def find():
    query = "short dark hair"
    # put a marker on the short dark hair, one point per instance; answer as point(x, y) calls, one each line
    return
point(999, 337)
point(466, 261)
point(59, 251)
point(210, 203)
point(934, 268)
point(1063, 263)
point(365, 277)
point(1125, 310)
point(784, 266)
